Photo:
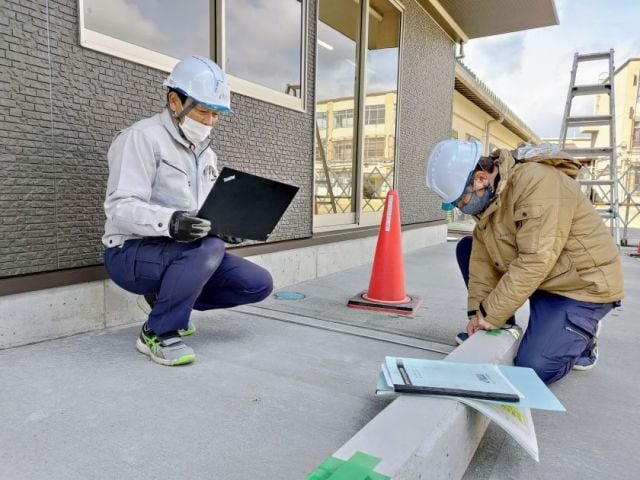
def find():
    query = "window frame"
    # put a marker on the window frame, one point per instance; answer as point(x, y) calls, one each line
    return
point(127, 51)
point(342, 150)
point(374, 111)
point(322, 120)
point(635, 134)
point(373, 143)
point(359, 218)
point(344, 116)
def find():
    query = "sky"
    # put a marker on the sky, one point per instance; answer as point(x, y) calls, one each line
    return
point(530, 71)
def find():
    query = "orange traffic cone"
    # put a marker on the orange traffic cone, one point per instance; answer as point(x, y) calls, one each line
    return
point(386, 288)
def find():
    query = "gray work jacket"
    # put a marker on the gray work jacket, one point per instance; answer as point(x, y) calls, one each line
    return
point(153, 172)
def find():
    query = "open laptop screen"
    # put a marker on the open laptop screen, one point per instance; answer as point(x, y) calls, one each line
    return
point(245, 206)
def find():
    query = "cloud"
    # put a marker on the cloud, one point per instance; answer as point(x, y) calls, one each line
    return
point(165, 27)
point(263, 42)
point(116, 18)
point(530, 71)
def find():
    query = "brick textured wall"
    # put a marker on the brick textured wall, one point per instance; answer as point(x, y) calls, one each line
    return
point(60, 105)
point(426, 102)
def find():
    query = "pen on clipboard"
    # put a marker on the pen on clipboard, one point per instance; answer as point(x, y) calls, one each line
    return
point(403, 372)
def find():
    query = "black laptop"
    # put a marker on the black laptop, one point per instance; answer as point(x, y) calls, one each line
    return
point(245, 206)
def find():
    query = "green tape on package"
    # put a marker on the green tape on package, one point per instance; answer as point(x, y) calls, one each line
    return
point(358, 467)
point(494, 333)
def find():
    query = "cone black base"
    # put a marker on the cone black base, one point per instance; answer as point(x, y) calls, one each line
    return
point(407, 308)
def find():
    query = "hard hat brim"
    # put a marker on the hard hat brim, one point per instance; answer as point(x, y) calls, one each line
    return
point(210, 106)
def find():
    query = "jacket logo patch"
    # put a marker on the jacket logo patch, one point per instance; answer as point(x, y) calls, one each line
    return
point(229, 178)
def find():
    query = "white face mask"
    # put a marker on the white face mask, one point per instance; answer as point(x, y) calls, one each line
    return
point(195, 131)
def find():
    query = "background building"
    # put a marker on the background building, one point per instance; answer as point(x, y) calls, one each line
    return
point(74, 72)
point(478, 114)
point(627, 123)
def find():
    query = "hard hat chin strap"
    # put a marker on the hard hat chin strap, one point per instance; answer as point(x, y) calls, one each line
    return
point(185, 110)
point(177, 116)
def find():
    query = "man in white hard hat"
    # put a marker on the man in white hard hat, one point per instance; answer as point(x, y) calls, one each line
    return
point(161, 170)
point(536, 238)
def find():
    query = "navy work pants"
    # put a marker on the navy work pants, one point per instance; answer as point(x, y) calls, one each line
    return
point(200, 275)
point(560, 330)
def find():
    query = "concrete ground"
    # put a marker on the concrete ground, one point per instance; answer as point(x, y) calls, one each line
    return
point(278, 387)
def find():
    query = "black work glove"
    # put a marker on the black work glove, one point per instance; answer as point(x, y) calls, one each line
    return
point(231, 240)
point(184, 227)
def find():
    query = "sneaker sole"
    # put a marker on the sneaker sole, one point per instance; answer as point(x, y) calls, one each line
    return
point(144, 349)
point(582, 368)
point(189, 331)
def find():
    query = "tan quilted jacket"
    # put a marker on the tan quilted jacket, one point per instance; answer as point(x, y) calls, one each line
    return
point(540, 232)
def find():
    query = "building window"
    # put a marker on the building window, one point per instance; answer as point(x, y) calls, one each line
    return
point(342, 151)
point(357, 65)
point(264, 59)
point(343, 119)
point(157, 39)
point(261, 50)
point(374, 115)
point(321, 120)
point(636, 134)
point(635, 170)
point(373, 148)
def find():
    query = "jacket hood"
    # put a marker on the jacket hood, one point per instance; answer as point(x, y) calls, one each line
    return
point(545, 153)
point(549, 154)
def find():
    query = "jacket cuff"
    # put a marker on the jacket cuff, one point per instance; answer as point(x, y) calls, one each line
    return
point(163, 222)
point(489, 318)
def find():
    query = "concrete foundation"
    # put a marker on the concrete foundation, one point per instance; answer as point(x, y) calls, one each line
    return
point(54, 313)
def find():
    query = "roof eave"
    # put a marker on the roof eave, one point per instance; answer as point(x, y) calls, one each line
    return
point(444, 20)
point(469, 87)
point(493, 17)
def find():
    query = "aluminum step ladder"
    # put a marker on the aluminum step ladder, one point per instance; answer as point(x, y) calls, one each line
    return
point(607, 187)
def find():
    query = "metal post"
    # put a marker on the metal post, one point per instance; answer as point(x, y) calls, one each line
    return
point(615, 220)
point(567, 107)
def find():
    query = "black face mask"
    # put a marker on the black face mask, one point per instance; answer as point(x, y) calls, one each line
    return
point(478, 204)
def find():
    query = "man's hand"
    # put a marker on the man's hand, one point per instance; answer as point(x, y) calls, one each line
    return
point(477, 322)
point(184, 227)
point(231, 240)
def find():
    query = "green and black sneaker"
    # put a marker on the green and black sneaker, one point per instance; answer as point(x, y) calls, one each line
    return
point(145, 303)
point(168, 350)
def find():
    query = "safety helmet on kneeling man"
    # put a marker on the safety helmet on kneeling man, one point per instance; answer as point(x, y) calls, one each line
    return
point(449, 168)
point(202, 80)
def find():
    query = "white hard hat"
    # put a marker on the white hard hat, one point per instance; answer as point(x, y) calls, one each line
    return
point(449, 168)
point(202, 80)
